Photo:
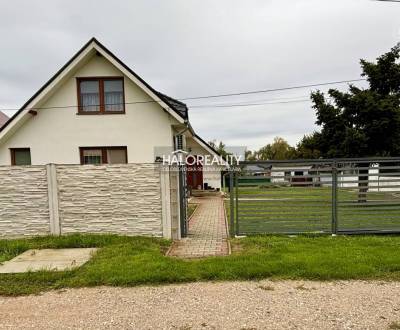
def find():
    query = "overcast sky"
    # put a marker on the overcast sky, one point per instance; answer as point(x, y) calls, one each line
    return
point(193, 48)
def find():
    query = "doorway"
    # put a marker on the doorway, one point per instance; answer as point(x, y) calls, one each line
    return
point(194, 173)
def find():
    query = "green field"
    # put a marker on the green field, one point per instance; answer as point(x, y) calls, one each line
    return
point(129, 261)
point(283, 209)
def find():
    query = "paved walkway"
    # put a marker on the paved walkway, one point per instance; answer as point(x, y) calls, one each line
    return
point(207, 231)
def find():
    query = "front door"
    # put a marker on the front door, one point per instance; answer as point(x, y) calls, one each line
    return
point(194, 173)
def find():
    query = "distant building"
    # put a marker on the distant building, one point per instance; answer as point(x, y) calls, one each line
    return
point(295, 175)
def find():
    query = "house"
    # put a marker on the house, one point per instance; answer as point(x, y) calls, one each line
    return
point(296, 175)
point(96, 110)
point(257, 170)
point(3, 118)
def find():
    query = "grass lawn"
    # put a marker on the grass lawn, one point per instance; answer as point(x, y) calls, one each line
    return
point(280, 209)
point(130, 261)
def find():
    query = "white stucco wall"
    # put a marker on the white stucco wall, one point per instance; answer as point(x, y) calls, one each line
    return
point(55, 135)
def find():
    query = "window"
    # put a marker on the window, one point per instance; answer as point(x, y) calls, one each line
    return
point(116, 156)
point(90, 96)
point(101, 95)
point(113, 95)
point(92, 156)
point(103, 155)
point(20, 156)
point(180, 142)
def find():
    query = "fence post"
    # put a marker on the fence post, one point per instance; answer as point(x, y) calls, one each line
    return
point(166, 201)
point(52, 193)
point(174, 202)
point(334, 198)
point(231, 206)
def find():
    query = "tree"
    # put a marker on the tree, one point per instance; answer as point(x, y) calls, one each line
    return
point(250, 155)
point(307, 147)
point(219, 147)
point(278, 150)
point(360, 122)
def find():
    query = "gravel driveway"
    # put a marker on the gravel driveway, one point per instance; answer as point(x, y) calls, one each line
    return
point(227, 305)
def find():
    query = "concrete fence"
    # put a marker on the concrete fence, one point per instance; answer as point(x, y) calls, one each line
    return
point(128, 199)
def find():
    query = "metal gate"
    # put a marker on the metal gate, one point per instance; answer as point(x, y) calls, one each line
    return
point(338, 196)
point(183, 192)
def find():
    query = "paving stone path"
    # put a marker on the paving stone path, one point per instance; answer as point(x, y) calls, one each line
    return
point(207, 235)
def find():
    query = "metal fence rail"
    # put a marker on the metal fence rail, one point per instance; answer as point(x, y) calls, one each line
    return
point(316, 196)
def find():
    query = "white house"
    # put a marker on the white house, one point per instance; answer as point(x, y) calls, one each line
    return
point(288, 174)
point(96, 110)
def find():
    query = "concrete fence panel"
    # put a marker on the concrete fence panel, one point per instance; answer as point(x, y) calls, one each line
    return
point(123, 199)
point(24, 205)
point(128, 199)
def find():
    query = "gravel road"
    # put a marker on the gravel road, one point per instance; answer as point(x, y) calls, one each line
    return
point(227, 305)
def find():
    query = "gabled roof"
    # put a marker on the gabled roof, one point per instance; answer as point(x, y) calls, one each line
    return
point(3, 119)
point(178, 109)
point(178, 106)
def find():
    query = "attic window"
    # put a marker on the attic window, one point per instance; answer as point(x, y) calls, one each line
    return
point(101, 95)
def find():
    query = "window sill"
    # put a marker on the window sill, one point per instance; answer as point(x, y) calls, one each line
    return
point(100, 113)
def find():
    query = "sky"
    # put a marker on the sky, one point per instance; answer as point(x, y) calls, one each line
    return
point(190, 48)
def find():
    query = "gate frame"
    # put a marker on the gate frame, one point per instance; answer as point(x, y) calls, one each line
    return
point(183, 200)
point(234, 186)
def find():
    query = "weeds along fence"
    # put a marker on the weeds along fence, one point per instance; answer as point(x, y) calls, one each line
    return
point(337, 196)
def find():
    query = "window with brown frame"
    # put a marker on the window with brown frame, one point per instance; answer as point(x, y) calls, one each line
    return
point(20, 156)
point(101, 95)
point(103, 155)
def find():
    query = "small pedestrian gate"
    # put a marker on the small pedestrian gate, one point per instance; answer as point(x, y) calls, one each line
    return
point(183, 203)
point(338, 196)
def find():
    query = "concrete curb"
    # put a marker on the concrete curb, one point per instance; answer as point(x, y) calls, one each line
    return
point(195, 210)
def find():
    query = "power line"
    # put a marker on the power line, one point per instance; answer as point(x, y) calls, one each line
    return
point(241, 104)
point(270, 90)
point(207, 96)
point(261, 100)
point(246, 104)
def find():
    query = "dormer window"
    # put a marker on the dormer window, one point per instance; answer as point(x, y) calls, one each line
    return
point(101, 95)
